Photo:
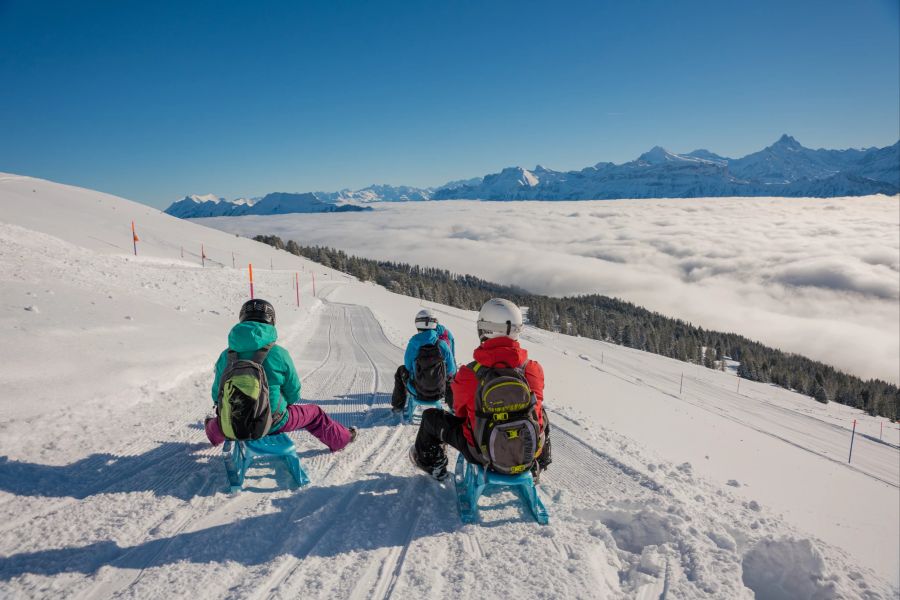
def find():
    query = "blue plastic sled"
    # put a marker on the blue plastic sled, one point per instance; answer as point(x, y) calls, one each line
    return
point(472, 481)
point(411, 414)
point(240, 455)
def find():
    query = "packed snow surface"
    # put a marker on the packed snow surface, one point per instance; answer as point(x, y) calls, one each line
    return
point(108, 487)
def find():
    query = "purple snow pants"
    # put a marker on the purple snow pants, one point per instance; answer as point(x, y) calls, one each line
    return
point(300, 416)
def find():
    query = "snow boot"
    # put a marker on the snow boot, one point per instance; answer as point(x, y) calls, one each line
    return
point(353, 433)
point(435, 464)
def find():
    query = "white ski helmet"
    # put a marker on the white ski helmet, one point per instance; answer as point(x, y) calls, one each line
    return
point(425, 319)
point(499, 318)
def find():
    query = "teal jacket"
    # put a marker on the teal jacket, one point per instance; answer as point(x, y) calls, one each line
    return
point(284, 383)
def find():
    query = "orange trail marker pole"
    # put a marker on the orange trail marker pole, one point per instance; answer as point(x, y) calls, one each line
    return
point(250, 265)
point(134, 238)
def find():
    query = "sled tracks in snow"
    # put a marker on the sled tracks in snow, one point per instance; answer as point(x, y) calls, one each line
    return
point(369, 526)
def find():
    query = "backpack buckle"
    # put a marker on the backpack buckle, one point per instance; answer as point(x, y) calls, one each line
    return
point(500, 416)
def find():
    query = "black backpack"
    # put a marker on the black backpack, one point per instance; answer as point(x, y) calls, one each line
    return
point(507, 433)
point(430, 380)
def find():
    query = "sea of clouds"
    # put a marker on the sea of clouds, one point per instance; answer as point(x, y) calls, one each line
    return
point(820, 277)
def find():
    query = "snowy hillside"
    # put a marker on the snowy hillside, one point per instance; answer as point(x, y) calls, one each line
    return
point(108, 487)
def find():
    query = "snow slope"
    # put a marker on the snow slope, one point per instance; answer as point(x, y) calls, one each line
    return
point(108, 488)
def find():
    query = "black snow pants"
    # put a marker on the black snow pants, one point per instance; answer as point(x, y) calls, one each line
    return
point(398, 397)
point(439, 426)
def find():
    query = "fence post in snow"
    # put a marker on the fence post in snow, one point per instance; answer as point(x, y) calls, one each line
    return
point(202, 255)
point(852, 435)
point(681, 386)
point(739, 386)
point(297, 287)
point(232, 260)
point(881, 433)
point(314, 284)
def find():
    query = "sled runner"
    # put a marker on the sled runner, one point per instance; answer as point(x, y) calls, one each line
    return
point(240, 455)
point(472, 480)
point(411, 414)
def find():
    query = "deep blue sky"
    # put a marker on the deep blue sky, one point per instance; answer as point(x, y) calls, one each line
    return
point(152, 100)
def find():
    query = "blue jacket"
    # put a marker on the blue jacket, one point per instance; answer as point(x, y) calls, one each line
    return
point(423, 338)
point(284, 383)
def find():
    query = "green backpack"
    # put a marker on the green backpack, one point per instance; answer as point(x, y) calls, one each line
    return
point(243, 402)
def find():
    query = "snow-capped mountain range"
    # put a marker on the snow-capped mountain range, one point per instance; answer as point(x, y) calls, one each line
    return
point(277, 203)
point(786, 168)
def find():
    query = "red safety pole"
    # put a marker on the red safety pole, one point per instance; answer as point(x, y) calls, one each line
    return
point(250, 265)
point(134, 238)
point(853, 435)
point(297, 287)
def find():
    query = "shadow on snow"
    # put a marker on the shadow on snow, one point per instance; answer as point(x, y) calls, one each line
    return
point(312, 522)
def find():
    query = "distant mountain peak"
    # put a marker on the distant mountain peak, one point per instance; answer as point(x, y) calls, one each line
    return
point(200, 198)
point(787, 141)
point(658, 155)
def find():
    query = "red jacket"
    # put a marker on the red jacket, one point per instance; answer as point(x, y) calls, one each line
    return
point(501, 351)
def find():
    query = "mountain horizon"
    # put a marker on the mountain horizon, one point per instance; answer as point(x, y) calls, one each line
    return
point(784, 168)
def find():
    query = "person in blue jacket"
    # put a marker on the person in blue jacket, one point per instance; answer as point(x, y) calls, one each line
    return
point(430, 333)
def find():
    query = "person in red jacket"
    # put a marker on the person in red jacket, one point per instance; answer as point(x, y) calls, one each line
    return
point(499, 325)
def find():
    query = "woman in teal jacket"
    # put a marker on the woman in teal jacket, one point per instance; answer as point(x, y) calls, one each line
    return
point(255, 331)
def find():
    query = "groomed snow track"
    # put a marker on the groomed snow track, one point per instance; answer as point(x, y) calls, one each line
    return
point(369, 526)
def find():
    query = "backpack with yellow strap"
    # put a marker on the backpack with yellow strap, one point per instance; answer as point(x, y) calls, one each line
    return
point(507, 433)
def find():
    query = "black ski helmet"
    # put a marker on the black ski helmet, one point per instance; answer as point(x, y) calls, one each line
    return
point(258, 310)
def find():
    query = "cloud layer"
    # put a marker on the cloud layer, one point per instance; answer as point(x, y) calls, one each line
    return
point(816, 276)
